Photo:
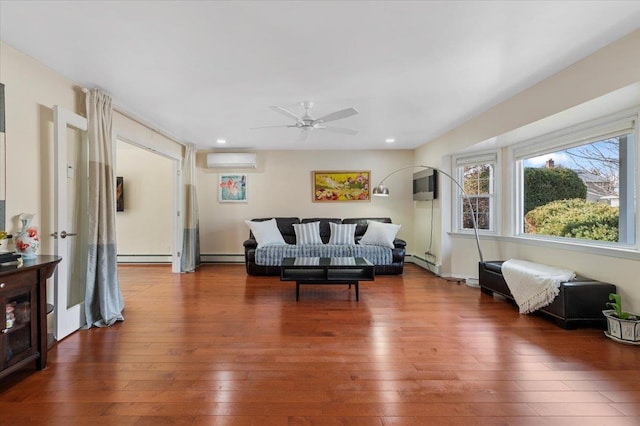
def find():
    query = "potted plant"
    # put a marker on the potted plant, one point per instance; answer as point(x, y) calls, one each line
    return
point(621, 326)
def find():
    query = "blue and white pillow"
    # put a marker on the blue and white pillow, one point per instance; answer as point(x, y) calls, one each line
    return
point(307, 233)
point(342, 234)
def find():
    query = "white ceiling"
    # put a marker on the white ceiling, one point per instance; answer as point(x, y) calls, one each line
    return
point(204, 70)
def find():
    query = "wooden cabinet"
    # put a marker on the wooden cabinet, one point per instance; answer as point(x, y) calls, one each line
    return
point(23, 336)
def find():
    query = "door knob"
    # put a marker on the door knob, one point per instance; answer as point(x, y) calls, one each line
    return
point(65, 234)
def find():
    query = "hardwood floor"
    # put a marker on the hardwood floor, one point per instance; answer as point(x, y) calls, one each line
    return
point(220, 347)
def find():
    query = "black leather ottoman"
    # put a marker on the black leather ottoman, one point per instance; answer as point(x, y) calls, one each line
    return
point(581, 301)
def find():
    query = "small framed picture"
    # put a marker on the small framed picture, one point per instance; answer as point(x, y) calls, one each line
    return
point(232, 188)
point(119, 194)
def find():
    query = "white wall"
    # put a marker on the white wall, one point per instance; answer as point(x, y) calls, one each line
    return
point(144, 228)
point(614, 67)
point(281, 186)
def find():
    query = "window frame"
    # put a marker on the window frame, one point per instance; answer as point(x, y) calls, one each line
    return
point(459, 162)
point(625, 122)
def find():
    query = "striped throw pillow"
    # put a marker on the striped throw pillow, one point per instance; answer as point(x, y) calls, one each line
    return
point(342, 234)
point(307, 233)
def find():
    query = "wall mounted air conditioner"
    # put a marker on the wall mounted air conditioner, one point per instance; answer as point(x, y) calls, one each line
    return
point(228, 160)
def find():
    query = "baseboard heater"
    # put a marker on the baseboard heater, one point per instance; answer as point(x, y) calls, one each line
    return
point(435, 268)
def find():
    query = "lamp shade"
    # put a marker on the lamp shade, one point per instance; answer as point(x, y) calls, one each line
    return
point(381, 191)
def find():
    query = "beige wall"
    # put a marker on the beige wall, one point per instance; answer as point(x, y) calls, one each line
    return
point(31, 91)
point(281, 186)
point(145, 225)
point(614, 67)
point(141, 135)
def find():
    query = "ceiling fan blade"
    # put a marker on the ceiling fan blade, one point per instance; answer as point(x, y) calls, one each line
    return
point(287, 113)
point(339, 130)
point(344, 113)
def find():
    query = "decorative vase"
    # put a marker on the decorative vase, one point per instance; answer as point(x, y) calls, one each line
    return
point(27, 240)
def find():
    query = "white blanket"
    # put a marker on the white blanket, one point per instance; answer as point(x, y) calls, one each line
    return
point(533, 285)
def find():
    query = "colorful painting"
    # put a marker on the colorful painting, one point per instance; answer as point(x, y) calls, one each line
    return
point(232, 188)
point(341, 186)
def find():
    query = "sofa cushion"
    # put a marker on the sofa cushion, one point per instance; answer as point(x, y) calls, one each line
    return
point(273, 255)
point(307, 233)
point(266, 232)
point(380, 234)
point(342, 233)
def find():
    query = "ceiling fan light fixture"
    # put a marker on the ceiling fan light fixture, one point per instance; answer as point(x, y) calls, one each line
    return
point(306, 122)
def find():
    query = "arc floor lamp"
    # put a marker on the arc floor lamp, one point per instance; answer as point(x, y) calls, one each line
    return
point(383, 191)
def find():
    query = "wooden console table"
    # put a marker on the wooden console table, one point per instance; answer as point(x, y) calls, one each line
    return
point(23, 290)
point(327, 270)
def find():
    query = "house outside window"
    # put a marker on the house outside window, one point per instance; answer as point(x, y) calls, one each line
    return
point(478, 176)
point(580, 184)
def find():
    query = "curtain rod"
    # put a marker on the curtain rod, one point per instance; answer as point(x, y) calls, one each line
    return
point(142, 122)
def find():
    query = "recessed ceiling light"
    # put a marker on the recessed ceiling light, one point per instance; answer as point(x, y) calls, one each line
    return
point(390, 140)
point(221, 141)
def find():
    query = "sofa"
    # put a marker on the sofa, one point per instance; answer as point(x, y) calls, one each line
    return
point(580, 301)
point(286, 228)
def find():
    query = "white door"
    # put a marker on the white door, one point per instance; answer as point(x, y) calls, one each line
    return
point(70, 220)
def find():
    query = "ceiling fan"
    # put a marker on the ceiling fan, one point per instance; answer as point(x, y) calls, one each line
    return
point(307, 123)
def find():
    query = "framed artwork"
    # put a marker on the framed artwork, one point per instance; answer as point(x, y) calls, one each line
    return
point(232, 188)
point(331, 186)
point(119, 194)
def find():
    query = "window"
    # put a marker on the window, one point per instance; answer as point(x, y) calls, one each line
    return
point(579, 185)
point(477, 175)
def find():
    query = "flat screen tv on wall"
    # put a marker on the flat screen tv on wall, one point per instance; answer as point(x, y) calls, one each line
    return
point(425, 185)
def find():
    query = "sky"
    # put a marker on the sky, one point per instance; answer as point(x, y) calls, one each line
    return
point(562, 158)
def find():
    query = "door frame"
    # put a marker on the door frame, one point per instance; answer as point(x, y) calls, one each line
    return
point(176, 160)
point(67, 319)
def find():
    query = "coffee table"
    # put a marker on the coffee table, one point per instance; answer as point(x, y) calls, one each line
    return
point(326, 270)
